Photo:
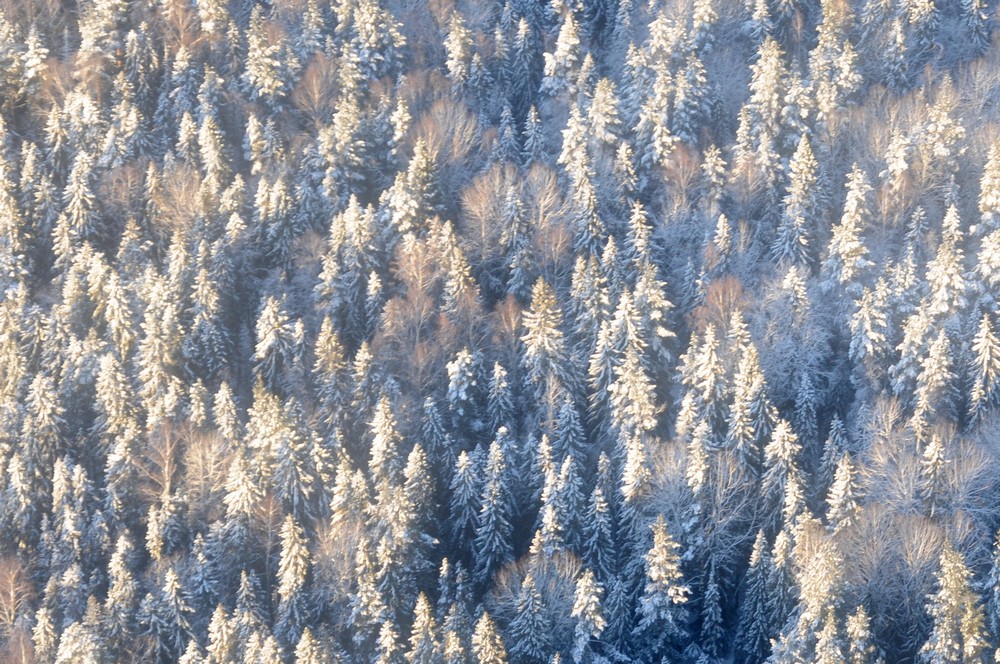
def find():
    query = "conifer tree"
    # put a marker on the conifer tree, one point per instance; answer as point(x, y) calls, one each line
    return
point(860, 649)
point(945, 274)
point(466, 494)
point(936, 391)
point(588, 613)
point(310, 650)
point(598, 542)
point(796, 233)
point(493, 544)
point(293, 570)
point(487, 646)
point(545, 353)
point(848, 254)
point(561, 66)
point(424, 646)
point(781, 469)
point(713, 633)
point(933, 474)
point(530, 630)
point(843, 503)
point(662, 610)
point(958, 633)
point(753, 634)
point(984, 370)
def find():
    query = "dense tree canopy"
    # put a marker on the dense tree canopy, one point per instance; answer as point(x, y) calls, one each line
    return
point(484, 332)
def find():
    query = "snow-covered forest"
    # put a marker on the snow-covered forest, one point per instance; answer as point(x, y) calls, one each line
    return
point(499, 331)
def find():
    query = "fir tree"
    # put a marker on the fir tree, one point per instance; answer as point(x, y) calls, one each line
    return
point(984, 370)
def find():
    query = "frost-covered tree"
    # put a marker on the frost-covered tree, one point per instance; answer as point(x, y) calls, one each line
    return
point(293, 571)
point(530, 631)
point(662, 611)
point(843, 500)
point(958, 633)
point(487, 646)
point(424, 645)
point(493, 541)
point(754, 630)
point(588, 614)
point(945, 273)
point(802, 209)
point(984, 370)
point(847, 254)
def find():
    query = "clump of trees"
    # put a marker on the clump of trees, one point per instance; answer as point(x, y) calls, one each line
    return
point(467, 332)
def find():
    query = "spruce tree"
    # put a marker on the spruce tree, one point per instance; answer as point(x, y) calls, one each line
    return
point(588, 615)
point(753, 634)
point(662, 611)
point(530, 630)
point(487, 646)
point(958, 633)
point(493, 541)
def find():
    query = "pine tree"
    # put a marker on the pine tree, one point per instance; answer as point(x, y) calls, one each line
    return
point(945, 273)
point(523, 68)
point(860, 649)
point(466, 493)
point(992, 588)
point(310, 650)
point(829, 641)
point(270, 63)
point(781, 470)
point(390, 650)
point(122, 600)
point(293, 570)
point(598, 541)
point(458, 44)
point(562, 65)
point(81, 642)
point(167, 617)
point(545, 353)
point(870, 334)
point(455, 640)
point(570, 438)
point(751, 416)
point(767, 88)
point(500, 400)
point(933, 474)
point(937, 385)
